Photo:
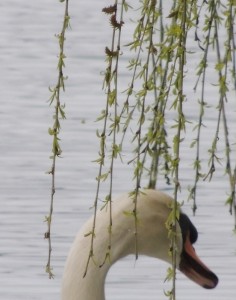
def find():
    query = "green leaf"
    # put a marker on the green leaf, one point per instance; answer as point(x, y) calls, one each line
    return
point(219, 66)
point(51, 131)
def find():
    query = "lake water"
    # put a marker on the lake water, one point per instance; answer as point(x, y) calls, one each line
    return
point(28, 55)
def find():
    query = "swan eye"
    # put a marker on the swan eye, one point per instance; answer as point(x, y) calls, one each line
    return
point(193, 234)
point(187, 227)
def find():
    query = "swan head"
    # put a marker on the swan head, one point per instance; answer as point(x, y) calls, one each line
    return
point(154, 208)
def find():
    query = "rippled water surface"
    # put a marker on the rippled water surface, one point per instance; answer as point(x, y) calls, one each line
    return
point(28, 55)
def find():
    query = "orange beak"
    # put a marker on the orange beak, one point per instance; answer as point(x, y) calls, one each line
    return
point(194, 268)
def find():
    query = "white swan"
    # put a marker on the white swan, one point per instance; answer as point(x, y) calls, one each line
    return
point(153, 210)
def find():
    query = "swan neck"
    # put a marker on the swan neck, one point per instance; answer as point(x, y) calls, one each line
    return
point(76, 286)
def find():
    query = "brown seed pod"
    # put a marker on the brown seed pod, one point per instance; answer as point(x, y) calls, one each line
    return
point(114, 22)
point(110, 9)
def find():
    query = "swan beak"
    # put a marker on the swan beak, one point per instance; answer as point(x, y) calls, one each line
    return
point(194, 268)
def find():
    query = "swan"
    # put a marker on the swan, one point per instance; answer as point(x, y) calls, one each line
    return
point(153, 241)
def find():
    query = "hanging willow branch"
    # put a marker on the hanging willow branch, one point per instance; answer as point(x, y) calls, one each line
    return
point(222, 67)
point(213, 21)
point(202, 70)
point(180, 25)
point(157, 86)
point(55, 129)
point(111, 123)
